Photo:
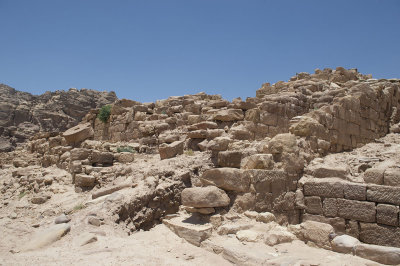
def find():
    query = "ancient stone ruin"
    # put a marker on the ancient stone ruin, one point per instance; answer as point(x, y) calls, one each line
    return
point(305, 173)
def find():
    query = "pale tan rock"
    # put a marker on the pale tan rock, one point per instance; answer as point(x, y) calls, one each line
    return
point(318, 233)
point(78, 133)
point(194, 232)
point(385, 255)
point(247, 236)
point(204, 197)
point(258, 161)
point(229, 115)
point(345, 244)
point(171, 150)
point(226, 178)
point(46, 237)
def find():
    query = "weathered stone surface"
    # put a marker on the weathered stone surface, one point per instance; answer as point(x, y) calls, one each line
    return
point(47, 237)
point(265, 217)
point(229, 115)
point(385, 255)
point(339, 224)
point(282, 143)
point(344, 244)
point(171, 150)
point(78, 133)
point(258, 161)
point(382, 235)
point(330, 207)
point(102, 157)
point(39, 199)
point(204, 197)
point(82, 180)
point(357, 210)
point(229, 159)
point(226, 178)
point(233, 228)
point(317, 233)
point(355, 191)
point(267, 181)
point(313, 205)
point(383, 194)
point(374, 176)
point(189, 229)
point(248, 236)
point(62, 219)
point(125, 157)
point(79, 154)
point(391, 177)
point(387, 214)
point(200, 210)
point(324, 171)
point(322, 188)
point(278, 235)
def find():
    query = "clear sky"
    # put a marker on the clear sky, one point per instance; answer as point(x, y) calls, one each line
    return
point(151, 49)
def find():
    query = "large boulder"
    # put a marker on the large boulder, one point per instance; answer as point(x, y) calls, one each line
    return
point(226, 178)
point(78, 133)
point(204, 197)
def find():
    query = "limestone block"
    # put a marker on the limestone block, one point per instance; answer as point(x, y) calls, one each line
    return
point(391, 177)
point(82, 180)
point(330, 207)
point(313, 205)
point(229, 159)
point(374, 176)
point(258, 161)
point(383, 194)
point(171, 150)
point(322, 188)
point(387, 214)
point(357, 210)
point(229, 115)
point(226, 178)
point(382, 235)
point(355, 191)
point(78, 133)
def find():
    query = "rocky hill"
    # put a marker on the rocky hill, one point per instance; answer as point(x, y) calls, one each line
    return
point(305, 173)
point(23, 114)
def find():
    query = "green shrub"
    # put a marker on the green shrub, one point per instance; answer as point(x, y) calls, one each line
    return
point(104, 113)
point(125, 149)
point(189, 152)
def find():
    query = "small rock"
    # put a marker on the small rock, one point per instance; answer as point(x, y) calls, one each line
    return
point(247, 236)
point(94, 221)
point(62, 219)
point(39, 199)
point(13, 215)
point(86, 238)
point(344, 244)
point(265, 217)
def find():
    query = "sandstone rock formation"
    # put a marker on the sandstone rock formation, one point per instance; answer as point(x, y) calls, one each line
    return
point(22, 114)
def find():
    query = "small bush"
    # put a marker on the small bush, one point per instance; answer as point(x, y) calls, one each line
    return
point(125, 149)
point(22, 194)
point(79, 206)
point(189, 152)
point(104, 113)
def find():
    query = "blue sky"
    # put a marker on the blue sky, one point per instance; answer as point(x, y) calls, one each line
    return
point(149, 50)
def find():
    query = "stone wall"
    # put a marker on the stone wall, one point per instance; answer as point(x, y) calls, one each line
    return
point(366, 211)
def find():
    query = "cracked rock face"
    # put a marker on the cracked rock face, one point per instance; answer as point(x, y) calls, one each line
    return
point(23, 114)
